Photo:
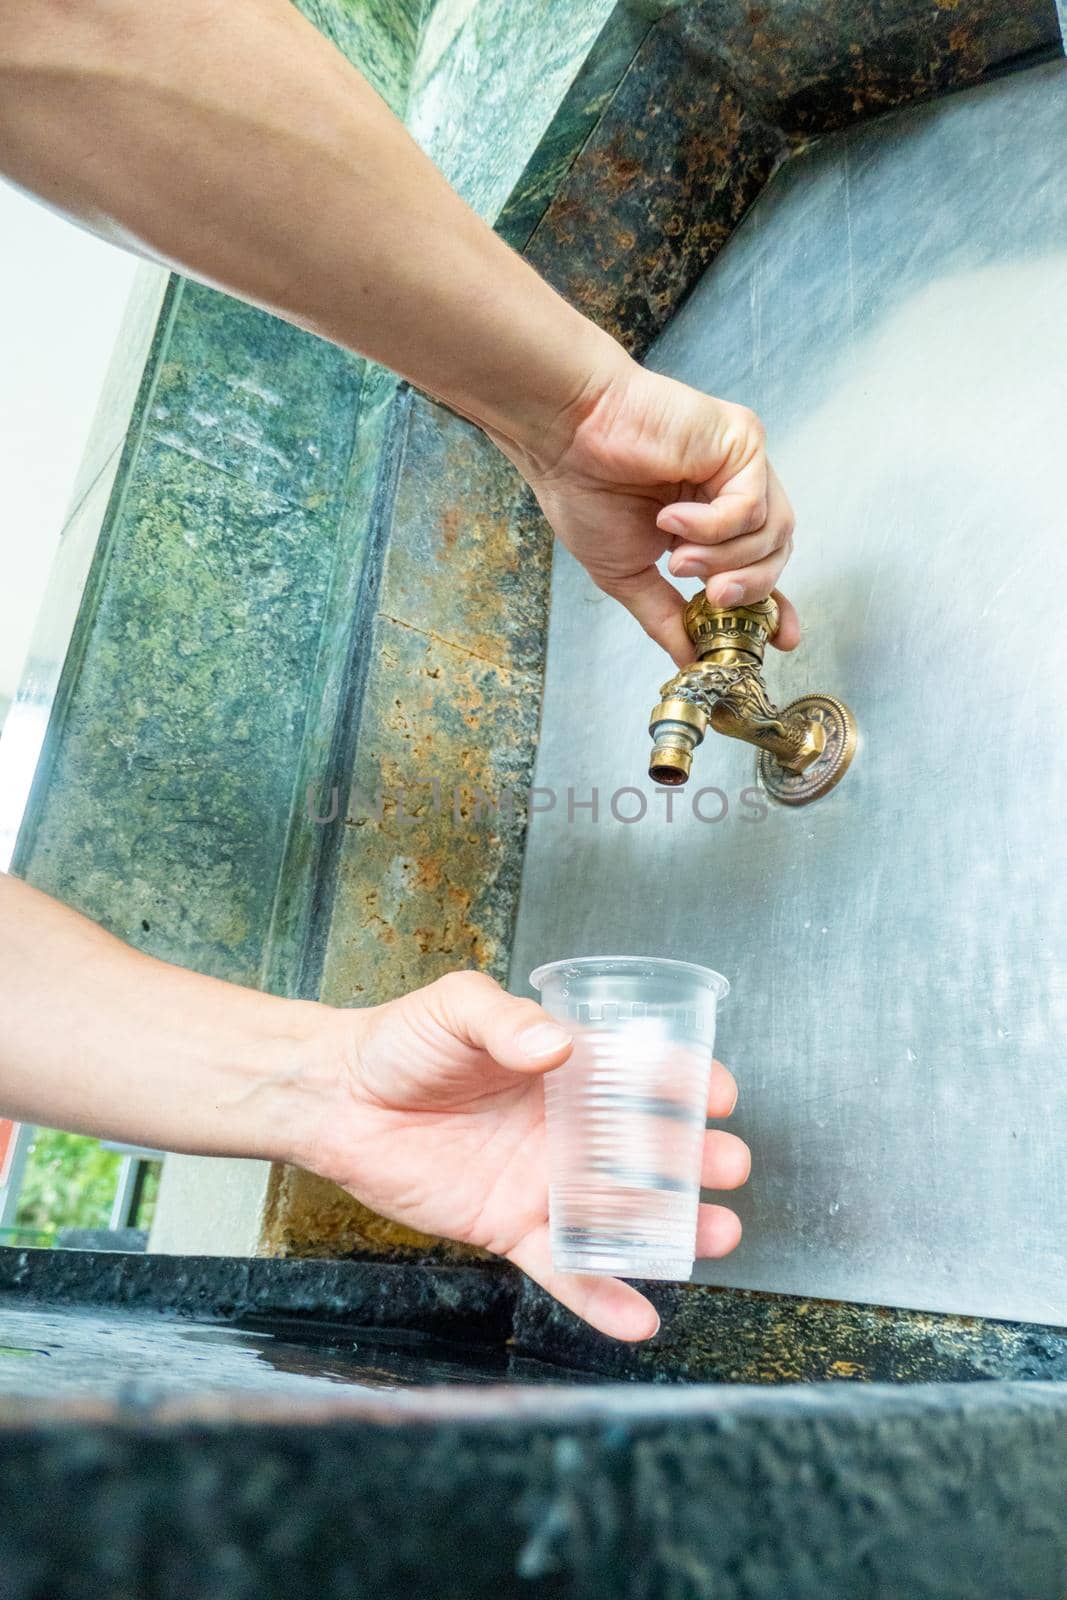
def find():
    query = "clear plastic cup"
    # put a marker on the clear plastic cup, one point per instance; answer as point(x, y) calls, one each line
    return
point(626, 1113)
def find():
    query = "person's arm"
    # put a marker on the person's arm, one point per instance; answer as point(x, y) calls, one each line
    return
point(428, 1108)
point(232, 141)
point(98, 1038)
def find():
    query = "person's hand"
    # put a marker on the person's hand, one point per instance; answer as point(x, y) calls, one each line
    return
point(430, 1110)
point(644, 465)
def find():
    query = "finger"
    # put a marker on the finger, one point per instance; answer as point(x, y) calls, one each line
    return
point(658, 607)
point(607, 1304)
point(704, 561)
point(745, 585)
point(718, 1231)
point(722, 1091)
point(788, 635)
point(519, 1034)
point(726, 1161)
point(741, 566)
point(739, 507)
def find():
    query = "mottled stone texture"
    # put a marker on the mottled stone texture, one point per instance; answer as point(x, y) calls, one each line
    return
point(595, 1495)
point(488, 81)
point(812, 66)
point(293, 956)
point(461, 1303)
point(167, 781)
point(713, 1335)
point(236, 533)
point(716, 96)
point(437, 711)
point(429, 836)
point(450, 709)
point(304, 1215)
point(597, 80)
point(630, 229)
point(380, 36)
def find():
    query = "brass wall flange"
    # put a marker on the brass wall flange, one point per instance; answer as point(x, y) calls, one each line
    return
point(805, 750)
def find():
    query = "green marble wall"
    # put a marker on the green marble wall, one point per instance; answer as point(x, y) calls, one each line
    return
point(379, 36)
point(488, 79)
point(163, 798)
point(203, 661)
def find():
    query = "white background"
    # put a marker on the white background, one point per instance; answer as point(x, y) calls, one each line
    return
point(62, 296)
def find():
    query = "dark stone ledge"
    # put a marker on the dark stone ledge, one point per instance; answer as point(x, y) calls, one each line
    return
point(465, 1303)
point(618, 1494)
point(710, 1335)
point(707, 1334)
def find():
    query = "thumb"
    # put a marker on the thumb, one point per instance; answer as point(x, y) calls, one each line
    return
point(658, 607)
point(518, 1034)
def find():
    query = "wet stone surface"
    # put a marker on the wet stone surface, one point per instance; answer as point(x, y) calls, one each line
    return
point(137, 1359)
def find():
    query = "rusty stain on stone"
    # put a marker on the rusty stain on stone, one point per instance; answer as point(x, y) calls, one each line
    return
point(428, 881)
point(306, 1216)
point(718, 1335)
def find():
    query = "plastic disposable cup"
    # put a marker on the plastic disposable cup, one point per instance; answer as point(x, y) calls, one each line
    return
point(626, 1113)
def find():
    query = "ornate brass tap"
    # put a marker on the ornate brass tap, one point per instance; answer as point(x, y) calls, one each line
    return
point(804, 749)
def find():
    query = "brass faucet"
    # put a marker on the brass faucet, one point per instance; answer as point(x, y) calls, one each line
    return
point(805, 749)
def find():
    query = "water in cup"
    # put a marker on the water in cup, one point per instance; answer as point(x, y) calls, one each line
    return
point(626, 1114)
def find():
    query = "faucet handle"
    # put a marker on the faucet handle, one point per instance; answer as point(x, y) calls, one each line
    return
point(717, 628)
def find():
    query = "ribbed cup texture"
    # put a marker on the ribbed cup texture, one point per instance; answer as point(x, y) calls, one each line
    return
point(626, 1117)
point(626, 1113)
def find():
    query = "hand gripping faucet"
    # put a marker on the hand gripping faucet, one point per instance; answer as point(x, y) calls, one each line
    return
point(804, 750)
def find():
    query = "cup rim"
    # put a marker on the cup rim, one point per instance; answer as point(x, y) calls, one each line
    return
point(714, 980)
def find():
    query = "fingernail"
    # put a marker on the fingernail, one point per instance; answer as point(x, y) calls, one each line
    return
point(670, 525)
point(730, 596)
point(543, 1039)
point(685, 569)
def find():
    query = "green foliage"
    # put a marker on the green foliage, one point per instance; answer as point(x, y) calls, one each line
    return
point(149, 1194)
point(69, 1182)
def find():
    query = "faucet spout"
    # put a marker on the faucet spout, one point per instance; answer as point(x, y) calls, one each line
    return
point(805, 748)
